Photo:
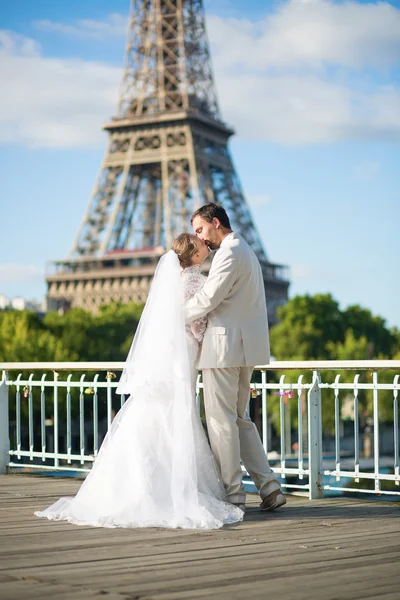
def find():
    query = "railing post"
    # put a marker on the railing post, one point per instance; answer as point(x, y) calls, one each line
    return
point(4, 426)
point(315, 438)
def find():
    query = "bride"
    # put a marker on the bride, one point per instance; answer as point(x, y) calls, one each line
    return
point(155, 468)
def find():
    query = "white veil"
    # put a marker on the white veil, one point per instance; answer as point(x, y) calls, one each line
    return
point(157, 371)
point(158, 351)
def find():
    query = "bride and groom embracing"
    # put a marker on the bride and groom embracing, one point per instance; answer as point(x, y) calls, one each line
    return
point(155, 467)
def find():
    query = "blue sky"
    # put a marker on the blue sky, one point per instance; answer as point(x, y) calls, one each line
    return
point(311, 87)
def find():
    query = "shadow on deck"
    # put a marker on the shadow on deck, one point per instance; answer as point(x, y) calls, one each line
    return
point(332, 549)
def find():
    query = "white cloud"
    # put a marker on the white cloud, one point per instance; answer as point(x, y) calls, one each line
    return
point(15, 44)
point(114, 25)
point(12, 273)
point(306, 109)
point(53, 102)
point(314, 71)
point(311, 72)
point(299, 33)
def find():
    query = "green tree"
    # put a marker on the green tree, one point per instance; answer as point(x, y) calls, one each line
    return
point(306, 324)
point(25, 338)
point(113, 330)
point(380, 340)
point(314, 328)
point(102, 336)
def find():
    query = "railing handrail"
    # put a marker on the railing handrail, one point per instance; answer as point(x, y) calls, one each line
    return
point(64, 438)
point(276, 365)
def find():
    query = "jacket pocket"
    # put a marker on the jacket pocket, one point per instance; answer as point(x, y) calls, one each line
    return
point(216, 330)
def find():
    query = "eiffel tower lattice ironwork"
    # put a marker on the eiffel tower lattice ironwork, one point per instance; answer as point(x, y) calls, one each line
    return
point(167, 155)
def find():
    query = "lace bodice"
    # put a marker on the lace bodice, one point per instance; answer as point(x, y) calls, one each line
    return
point(192, 282)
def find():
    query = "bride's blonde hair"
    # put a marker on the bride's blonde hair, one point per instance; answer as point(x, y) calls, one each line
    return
point(185, 247)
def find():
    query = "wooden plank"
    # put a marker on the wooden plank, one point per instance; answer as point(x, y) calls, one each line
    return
point(29, 544)
point(300, 548)
point(114, 572)
point(91, 551)
point(31, 589)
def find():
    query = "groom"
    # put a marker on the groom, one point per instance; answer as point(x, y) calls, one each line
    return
point(236, 339)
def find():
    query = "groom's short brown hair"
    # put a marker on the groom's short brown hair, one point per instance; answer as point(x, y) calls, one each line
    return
point(210, 211)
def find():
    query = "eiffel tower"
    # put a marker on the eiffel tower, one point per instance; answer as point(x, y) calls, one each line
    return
point(167, 155)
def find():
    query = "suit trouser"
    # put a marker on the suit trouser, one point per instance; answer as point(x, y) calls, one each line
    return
point(233, 436)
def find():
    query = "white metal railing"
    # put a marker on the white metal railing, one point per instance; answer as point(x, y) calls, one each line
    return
point(43, 438)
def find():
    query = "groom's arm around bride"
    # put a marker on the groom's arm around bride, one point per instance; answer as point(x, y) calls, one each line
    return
point(236, 339)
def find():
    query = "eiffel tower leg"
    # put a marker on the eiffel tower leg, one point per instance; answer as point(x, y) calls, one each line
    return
point(184, 193)
point(103, 182)
point(138, 218)
point(75, 245)
point(207, 187)
point(158, 218)
point(117, 202)
point(240, 211)
point(88, 238)
point(194, 179)
point(129, 203)
point(166, 204)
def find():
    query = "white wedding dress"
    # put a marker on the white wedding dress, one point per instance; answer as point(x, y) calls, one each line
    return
point(155, 467)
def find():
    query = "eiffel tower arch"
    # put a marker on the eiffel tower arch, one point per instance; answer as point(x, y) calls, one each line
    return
point(167, 155)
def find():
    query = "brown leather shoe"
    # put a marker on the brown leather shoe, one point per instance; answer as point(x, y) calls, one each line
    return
point(273, 501)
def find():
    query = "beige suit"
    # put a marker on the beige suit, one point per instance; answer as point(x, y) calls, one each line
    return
point(236, 339)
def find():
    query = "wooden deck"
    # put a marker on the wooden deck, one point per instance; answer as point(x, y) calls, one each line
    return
point(327, 549)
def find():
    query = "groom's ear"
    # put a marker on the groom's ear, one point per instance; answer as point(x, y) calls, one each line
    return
point(217, 223)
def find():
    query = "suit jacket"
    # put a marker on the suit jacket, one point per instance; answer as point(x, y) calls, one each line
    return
point(233, 297)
